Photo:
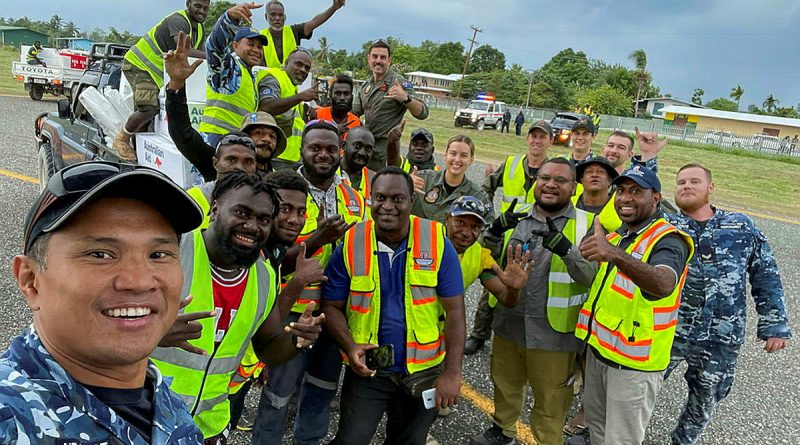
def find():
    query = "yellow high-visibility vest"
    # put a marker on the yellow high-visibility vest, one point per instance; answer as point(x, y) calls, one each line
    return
point(619, 322)
point(226, 112)
point(425, 342)
point(148, 56)
point(202, 381)
point(289, 45)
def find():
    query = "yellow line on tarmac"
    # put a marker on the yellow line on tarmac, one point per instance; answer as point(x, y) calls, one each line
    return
point(524, 433)
point(19, 176)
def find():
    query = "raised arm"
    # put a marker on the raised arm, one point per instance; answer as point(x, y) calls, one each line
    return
point(322, 17)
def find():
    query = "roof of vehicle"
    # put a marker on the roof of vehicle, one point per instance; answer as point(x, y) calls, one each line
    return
point(575, 116)
point(487, 101)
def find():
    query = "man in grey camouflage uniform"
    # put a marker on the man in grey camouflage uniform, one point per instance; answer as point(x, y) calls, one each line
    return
point(711, 320)
point(102, 276)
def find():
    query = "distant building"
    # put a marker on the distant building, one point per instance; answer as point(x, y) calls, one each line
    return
point(74, 43)
point(17, 35)
point(433, 83)
point(705, 119)
point(654, 105)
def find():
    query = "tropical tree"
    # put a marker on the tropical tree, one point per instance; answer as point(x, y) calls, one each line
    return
point(723, 104)
point(641, 76)
point(697, 96)
point(736, 94)
point(323, 53)
point(486, 58)
point(606, 100)
point(56, 22)
point(770, 103)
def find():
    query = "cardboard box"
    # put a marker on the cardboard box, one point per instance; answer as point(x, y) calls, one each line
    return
point(195, 113)
point(155, 151)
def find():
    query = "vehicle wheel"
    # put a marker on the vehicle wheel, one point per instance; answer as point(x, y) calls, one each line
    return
point(455, 124)
point(46, 166)
point(480, 125)
point(36, 92)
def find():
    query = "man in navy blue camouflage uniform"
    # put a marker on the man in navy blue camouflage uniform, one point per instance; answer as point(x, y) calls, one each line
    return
point(711, 320)
point(102, 276)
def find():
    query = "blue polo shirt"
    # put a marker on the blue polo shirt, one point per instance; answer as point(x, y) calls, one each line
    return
point(392, 264)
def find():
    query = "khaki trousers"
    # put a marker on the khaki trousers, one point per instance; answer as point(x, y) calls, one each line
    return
point(618, 402)
point(512, 367)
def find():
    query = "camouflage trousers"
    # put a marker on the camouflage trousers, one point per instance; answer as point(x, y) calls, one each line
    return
point(710, 373)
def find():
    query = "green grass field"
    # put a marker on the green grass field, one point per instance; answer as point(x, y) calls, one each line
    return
point(8, 84)
point(752, 182)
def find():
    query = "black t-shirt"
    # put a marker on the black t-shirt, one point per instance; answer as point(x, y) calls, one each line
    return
point(448, 189)
point(134, 406)
point(299, 34)
point(530, 178)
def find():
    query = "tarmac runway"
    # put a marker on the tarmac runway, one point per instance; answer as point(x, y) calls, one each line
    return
point(759, 410)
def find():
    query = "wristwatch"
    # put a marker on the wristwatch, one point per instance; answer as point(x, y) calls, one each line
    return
point(407, 101)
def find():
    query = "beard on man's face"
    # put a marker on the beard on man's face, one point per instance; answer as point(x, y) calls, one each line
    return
point(238, 256)
point(341, 107)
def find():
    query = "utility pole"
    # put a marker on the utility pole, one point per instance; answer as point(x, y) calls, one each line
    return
point(475, 32)
point(530, 84)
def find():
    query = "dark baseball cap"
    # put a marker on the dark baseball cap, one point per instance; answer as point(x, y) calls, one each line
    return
point(470, 205)
point(422, 133)
point(72, 188)
point(250, 33)
point(642, 176)
point(542, 125)
point(596, 160)
point(585, 123)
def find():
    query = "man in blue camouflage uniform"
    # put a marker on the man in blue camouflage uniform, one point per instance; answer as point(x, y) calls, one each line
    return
point(711, 320)
point(101, 274)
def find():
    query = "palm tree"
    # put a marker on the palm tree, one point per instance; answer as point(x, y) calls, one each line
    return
point(770, 103)
point(324, 51)
point(56, 22)
point(642, 77)
point(736, 94)
point(71, 30)
point(697, 96)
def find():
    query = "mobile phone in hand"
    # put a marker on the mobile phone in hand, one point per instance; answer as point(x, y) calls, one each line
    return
point(381, 357)
point(429, 398)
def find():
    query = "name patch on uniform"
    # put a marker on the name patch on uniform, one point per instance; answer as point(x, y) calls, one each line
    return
point(432, 195)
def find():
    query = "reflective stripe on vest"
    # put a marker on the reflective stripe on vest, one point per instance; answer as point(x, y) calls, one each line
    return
point(294, 114)
point(471, 264)
point(564, 296)
point(289, 45)
point(619, 322)
point(200, 198)
point(148, 56)
point(202, 380)
point(350, 204)
point(224, 112)
point(424, 315)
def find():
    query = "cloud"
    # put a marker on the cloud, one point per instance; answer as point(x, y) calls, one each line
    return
point(711, 44)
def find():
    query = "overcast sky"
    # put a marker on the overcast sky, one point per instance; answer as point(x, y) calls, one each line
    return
point(709, 44)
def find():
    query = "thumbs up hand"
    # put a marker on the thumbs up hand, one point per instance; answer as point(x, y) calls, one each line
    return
point(396, 92)
point(596, 247)
point(419, 183)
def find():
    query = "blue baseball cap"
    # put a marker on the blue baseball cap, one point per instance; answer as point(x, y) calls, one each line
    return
point(470, 205)
point(250, 33)
point(642, 176)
